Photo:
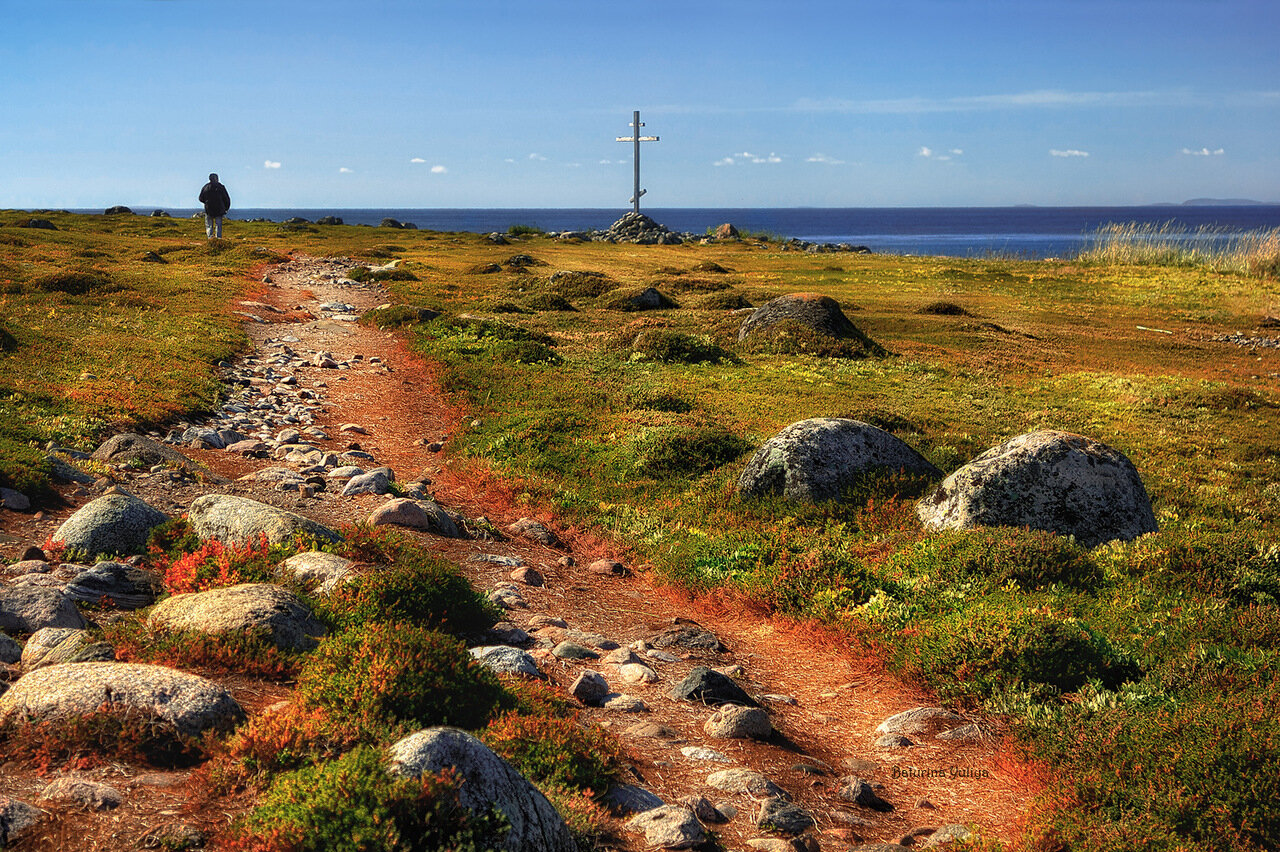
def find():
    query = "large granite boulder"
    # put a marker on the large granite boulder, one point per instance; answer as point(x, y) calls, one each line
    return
point(818, 313)
point(247, 608)
point(319, 571)
point(424, 515)
point(233, 520)
point(816, 459)
point(190, 704)
point(1054, 481)
point(488, 780)
point(112, 524)
point(26, 609)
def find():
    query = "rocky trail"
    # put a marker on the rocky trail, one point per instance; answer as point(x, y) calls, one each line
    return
point(322, 401)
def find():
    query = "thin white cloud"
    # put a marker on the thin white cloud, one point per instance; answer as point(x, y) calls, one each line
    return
point(1069, 152)
point(748, 157)
point(926, 151)
point(509, 160)
point(418, 160)
point(538, 157)
point(930, 154)
point(724, 161)
point(824, 159)
point(343, 170)
point(1205, 152)
point(271, 164)
point(438, 170)
point(959, 152)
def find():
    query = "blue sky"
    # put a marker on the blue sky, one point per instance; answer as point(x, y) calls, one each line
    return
point(517, 104)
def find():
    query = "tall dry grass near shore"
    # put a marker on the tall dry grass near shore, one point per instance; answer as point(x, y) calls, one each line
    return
point(1220, 249)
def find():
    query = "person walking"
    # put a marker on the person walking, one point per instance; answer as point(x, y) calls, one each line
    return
point(216, 203)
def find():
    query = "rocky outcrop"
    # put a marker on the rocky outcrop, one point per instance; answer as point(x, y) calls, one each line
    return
point(116, 584)
point(54, 645)
point(818, 459)
point(129, 448)
point(1054, 481)
point(112, 524)
point(188, 703)
point(260, 608)
point(820, 314)
point(233, 520)
point(488, 781)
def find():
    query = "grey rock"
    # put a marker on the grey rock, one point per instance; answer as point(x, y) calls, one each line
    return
point(945, 836)
point(817, 459)
point(424, 515)
point(705, 811)
point(1048, 480)
point(111, 524)
point(630, 799)
point(637, 673)
point(16, 819)
point(711, 688)
point(14, 500)
point(744, 781)
point(206, 436)
point(624, 703)
point(189, 703)
point(858, 791)
point(919, 720)
point(528, 576)
point(893, 741)
point(246, 608)
point(590, 688)
point(233, 520)
point(53, 645)
point(688, 636)
point(608, 568)
point(373, 482)
point(319, 571)
point(734, 722)
point(26, 609)
point(117, 583)
point(704, 753)
point(504, 659)
point(346, 472)
point(83, 792)
point(567, 650)
point(535, 530)
point(487, 781)
point(10, 649)
point(507, 633)
point(964, 733)
point(669, 827)
point(784, 817)
point(129, 447)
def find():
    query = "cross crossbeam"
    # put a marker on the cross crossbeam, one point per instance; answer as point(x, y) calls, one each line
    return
point(635, 138)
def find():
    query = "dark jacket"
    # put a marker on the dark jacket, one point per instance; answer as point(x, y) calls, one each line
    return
point(215, 199)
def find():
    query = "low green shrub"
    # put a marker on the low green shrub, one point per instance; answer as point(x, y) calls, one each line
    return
point(688, 450)
point(573, 284)
point(674, 347)
point(364, 274)
point(279, 741)
point(389, 675)
point(99, 738)
point(1001, 643)
point(664, 402)
point(549, 302)
point(251, 653)
point(76, 282)
point(417, 589)
point(1000, 555)
point(353, 804)
point(398, 316)
point(790, 337)
point(8, 342)
point(524, 231)
point(556, 750)
point(725, 300)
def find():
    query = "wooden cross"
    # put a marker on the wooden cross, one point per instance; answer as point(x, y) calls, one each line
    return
point(636, 139)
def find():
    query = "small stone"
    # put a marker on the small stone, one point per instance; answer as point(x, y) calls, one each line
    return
point(566, 562)
point(16, 818)
point(539, 621)
point(782, 816)
point(919, 720)
point(964, 733)
point(630, 799)
point(590, 688)
point(704, 810)
point(534, 530)
point(712, 688)
point(87, 794)
point(669, 827)
point(567, 650)
point(624, 703)
point(770, 844)
point(854, 789)
point(527, 575)
point(893, 741)
point(735, 722)
point(33, 553)
point(353, 427)
point(703, 753)
point(651, 730)
point(608, 568)
point(744, 781)
point(947, 835)
point(504, 659)
point(637, 673)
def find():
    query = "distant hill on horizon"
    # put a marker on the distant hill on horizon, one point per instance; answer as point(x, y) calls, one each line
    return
point(1225, 202)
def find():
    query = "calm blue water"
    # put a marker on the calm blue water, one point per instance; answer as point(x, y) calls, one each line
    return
point(1030, 232)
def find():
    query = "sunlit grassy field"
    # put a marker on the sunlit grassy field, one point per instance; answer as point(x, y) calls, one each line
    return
point(1142, 675)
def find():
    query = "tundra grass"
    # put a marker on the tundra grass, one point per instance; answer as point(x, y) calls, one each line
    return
point(1143, 674)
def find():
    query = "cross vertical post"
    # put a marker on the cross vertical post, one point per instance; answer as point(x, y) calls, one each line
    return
point(635, 138)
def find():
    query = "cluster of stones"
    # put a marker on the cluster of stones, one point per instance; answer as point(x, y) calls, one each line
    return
point(795, 244)
point(607, 675)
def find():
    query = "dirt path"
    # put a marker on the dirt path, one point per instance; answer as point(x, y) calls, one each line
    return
point(827, 701)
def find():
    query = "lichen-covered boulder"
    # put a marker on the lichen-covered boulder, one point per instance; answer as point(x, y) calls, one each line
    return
point(190, 704)
point(816, 459)
point(1048, 480)
point(112, 524)
point(488, 780)
point(261, 608)
point(117, 584)
point(53, 645)
point(233, 520)
point(820, 314)
point(317, 570)
point(424, 515)
point(139, 449)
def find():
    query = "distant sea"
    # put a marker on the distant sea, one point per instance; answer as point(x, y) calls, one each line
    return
point(1023, 232)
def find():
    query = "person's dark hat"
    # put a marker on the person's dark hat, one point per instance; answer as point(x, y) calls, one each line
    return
point(213, 177)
